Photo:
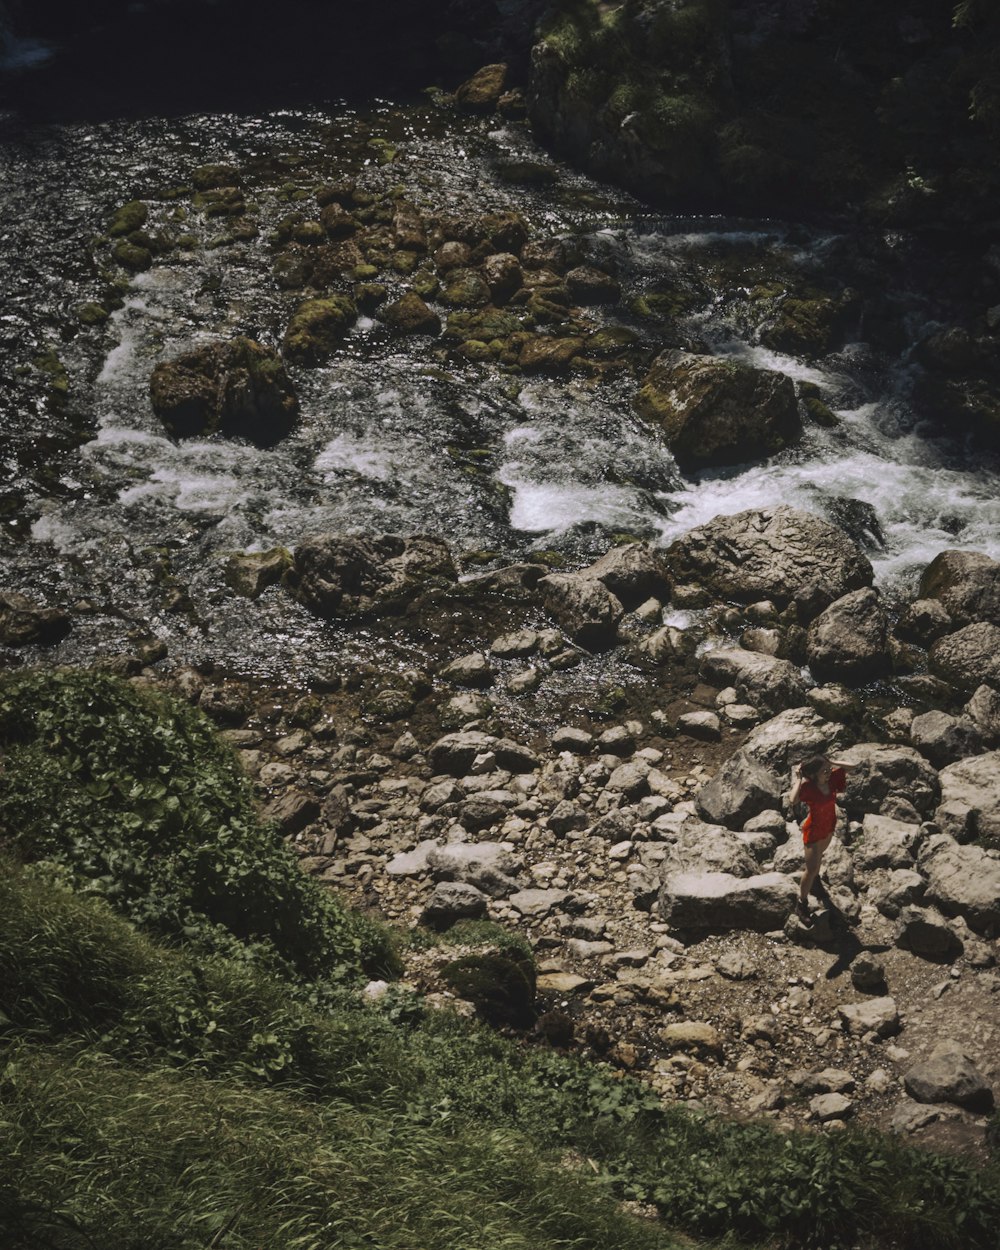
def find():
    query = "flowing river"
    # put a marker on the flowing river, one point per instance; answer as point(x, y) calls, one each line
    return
point(101, 509)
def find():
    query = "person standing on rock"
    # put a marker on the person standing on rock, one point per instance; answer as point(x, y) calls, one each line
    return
point(818, 781)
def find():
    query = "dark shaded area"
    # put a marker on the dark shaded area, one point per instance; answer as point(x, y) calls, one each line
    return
point(168, 57)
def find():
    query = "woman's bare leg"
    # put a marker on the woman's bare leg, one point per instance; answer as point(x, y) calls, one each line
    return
point(813, 859)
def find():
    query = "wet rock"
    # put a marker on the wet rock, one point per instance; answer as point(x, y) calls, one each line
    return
point(452, 901)
point(879, 772)
point(812, 327)
point(336, 576)
point(237, 388)
point(874, 1015)
point(848, 641)
point(583, 606)
point(944, 739)
point(949, 1075)
point(715, 411)
point(250, 574)
point(588, 285)
point(925, 933)
point(967, 584)
point(779, 554)
point(481, 93)
point(410, 315)
point(452, 255)
point(633, 573)
point(741, 789)
point(317, 328)
point(503, 275)
point(968, 657)
point(465, 288)
point(549, 354)
point(409, 231)
point(569, 738)
point(923, 622)
point(719, 902)
point(520, 643)
point(972, 787)
point(23, 623)
point(761, 680)
point(963, 881)
point(470, 670)
point(337, 222)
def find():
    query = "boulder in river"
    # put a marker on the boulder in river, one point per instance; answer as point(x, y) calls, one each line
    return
point(23, 623)
point(338, 576)
point(716, 411)
point(237, 388)
point(317, 328)
point(583, 606)
point(779, 553)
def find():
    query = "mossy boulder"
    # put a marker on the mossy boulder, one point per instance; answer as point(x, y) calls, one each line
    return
point(337, 221)
point(410, 315)
point(812, 327)
point(715, 412)
point(23, 623)
point(129, 217)
point(465, 288)
point(484, 326)
point(210, 177)
point(251, 573)
point(481, 93)
point(237, 388)
point(549, 354)
point(317, 329)
point(131, 257)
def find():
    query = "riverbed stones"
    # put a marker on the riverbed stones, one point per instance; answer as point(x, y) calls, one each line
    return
point(411, 315)
point(23, 623)
point(780, 553)
point(983, 709)
point(250, 573)
point(948, 1074)
point(742, 788)
point(583, 606)
point(760, 680)
point(719, 902)
point(715, 411)
point(968, 657)
point(967, 584)
point(317, 329)
point(848, 641)
point(633, 573)
point(481, 93)
point(789, 738)
point(336, 576)
point(970, 798)
point(237, 388)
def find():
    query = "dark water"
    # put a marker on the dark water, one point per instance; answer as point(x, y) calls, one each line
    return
point(98, 504)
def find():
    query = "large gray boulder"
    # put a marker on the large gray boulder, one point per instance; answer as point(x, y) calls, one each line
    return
point(949, 1075)
point(778, 553)
point(488, 866)
point(872, 1015)
point(454, 753)
point(790, 737)
point(970, 793)
point(967, 584)
point(943, 739)
point(963, 881)
point(885, 843)
point(337, 576)
point(968, 657)
point(848, 641)
point(741, 789)
point(632, 573)
point(719, 902)
point(583, 606)
point(879, 771)
point(761, 680)
point(695, 847)
point(983, 709)
point(925, 932)
point(452, 901)
point(714, 411)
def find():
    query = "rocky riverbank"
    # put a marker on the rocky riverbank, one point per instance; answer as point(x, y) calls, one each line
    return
point(640, 837)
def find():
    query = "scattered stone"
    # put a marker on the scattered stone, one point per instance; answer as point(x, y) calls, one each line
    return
point(452, 901)
point(704, 726)
point(963, 881)
point(874, 1015)
point(972, 787)
point(569, 738)
point(868, 975)
point(760, 679)
point(945, 739)
point(925, 933)
point(826, 1107)
point(885, 843)
point(848, 641)
point(470, 670)
point(692, 1035)
point(949, 1075)
point(583, 607)
point(537, 903)
point(740, 790)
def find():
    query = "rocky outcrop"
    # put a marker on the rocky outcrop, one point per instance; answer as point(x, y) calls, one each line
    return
point(715, 411)
point(335, 576)
point(238, 388)
point(779, 554)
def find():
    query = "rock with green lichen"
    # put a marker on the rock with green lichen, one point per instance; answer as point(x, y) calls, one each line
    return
point(92, 313)
point(317, 328)
point(131, 216)
point(465, 288)
point(483, 325)
point(252, 572)
point(481, 93)
point(210, 177)
point(410, 315)
point(131, 257)
point(549, 354)
point(715, 411)
point(238, 388)
point(812, 327)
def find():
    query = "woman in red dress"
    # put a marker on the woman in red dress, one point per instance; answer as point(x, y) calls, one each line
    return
point(817, 783)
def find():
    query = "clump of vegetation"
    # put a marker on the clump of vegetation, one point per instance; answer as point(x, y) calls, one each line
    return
point(135, 796)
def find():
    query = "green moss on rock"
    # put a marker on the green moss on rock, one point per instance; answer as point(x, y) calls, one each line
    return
point(317, 329)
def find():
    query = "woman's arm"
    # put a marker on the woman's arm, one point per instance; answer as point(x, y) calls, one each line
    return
point(798, 779)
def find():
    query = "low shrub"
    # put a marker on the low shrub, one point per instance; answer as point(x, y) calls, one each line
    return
point(134, 793)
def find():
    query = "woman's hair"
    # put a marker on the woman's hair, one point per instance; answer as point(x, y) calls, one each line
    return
point(811, 767)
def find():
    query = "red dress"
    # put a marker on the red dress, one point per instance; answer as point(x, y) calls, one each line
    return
point(822, 818)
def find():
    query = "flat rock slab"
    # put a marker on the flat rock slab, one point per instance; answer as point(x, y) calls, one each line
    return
point(534, 903)
point(563, 983)
point(691, 1035)
point(874, 1015)
point(719, 902)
